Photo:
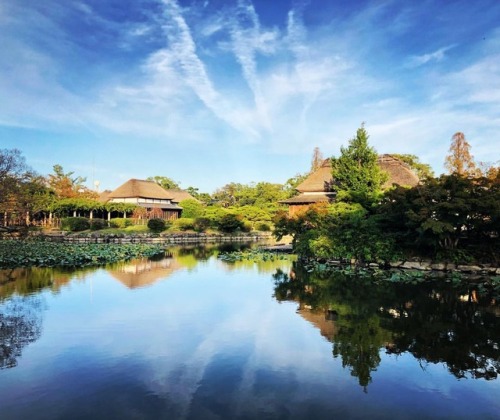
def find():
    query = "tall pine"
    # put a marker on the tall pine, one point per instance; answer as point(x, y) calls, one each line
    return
point(356, 174)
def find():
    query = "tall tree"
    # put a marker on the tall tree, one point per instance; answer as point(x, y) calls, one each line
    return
point(460, 161)
point(317, 159)
point(65, 185)
point(356, 174)
point(164, 182)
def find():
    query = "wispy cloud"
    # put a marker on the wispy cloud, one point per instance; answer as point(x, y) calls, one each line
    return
point(436, 56)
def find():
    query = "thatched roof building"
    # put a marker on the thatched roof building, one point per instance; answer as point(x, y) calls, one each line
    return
point(317, 187)
point(149, 195)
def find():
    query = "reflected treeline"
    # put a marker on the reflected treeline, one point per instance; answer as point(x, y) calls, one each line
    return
point(26, 281)
point(20, 325)
point(437, 322)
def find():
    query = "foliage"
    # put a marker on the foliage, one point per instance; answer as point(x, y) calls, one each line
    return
point(453, 213)
point(230, 223)
point(51, 254)
point(201, 224)
point(65, 185)
point(460, 161)
point(75, 224)
point(191, 208)
point(263, 227)
point(423, 170)
point(156, 225)
point(66, 206)
point(184, 224)
point(339, 230)
point(254, 255)
point(98, 224)
point(120, 222)
point(164, 182)
point(357, 176)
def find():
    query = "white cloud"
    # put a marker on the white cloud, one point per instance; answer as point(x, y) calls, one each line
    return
point(420, 60)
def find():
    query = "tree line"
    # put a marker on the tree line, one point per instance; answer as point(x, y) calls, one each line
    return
point(455, 216)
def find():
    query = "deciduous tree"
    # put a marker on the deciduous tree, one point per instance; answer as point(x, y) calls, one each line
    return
point(459, 160)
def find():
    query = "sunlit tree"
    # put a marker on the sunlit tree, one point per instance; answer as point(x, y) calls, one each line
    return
point(459, 160)
point(164, 182)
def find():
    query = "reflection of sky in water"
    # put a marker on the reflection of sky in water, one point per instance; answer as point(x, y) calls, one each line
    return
point(209, 343)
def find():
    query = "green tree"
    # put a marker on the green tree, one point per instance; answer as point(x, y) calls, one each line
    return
point(423, 170)
point(356, 174)
point(164, 182)
point(191, 208)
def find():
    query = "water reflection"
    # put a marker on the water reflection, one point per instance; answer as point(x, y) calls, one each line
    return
point(435, 322)
point(20, 325)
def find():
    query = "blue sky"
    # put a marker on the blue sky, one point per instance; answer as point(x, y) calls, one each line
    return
point(209, 92)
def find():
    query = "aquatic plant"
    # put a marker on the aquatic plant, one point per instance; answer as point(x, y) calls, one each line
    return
point(53, 254)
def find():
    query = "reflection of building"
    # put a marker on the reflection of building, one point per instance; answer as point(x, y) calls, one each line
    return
point(322, 319)
point(317, 187)
point(144, 272)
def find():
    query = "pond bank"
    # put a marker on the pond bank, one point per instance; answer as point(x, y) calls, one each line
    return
point(164, 238)
point(425, 266)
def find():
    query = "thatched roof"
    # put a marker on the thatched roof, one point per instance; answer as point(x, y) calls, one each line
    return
point(399, 173)
point(180, 195)
point(319, 180)
point(139, 188)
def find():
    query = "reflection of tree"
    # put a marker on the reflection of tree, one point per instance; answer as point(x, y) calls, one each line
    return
point(358, 343)
point(434, 321)
point(20, 324)
point(437, 327)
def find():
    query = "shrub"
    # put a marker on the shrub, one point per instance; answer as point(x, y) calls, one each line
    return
point(75, 224)
point(157, 225)
point(184, 224)
point(191, 209)
point(247, 226)
point(120, 222)
point(201, 224)
point(230, 223)
point(263, 227)
point(98, 224)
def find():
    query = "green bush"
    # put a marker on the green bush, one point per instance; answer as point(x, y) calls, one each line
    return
point(120, 222)
point(98, 224)
point(191, 209)
point(157, 225)
point(247, 226)
point(75, 224)
point(230, 223)
point(263, 227)
point(184, 224)
point(201, 224)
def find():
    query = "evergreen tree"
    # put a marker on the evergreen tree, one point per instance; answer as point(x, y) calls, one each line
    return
point(356, 174)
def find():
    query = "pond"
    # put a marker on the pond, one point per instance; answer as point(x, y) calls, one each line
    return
point(192, 336)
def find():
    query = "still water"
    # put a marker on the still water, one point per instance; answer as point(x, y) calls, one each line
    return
point(193, 337)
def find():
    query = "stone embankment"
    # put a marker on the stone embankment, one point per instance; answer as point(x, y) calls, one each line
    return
point(177, 238)
point(422, 265)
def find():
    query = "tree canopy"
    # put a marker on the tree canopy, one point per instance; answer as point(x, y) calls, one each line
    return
point(459, 160)
point(356, 174)
point(164, 182)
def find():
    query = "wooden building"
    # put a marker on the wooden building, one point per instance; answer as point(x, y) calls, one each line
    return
point(154, 199)
point(317, 187)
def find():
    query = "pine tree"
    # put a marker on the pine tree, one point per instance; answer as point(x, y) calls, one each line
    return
point(356, 173)
point(460, 161)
